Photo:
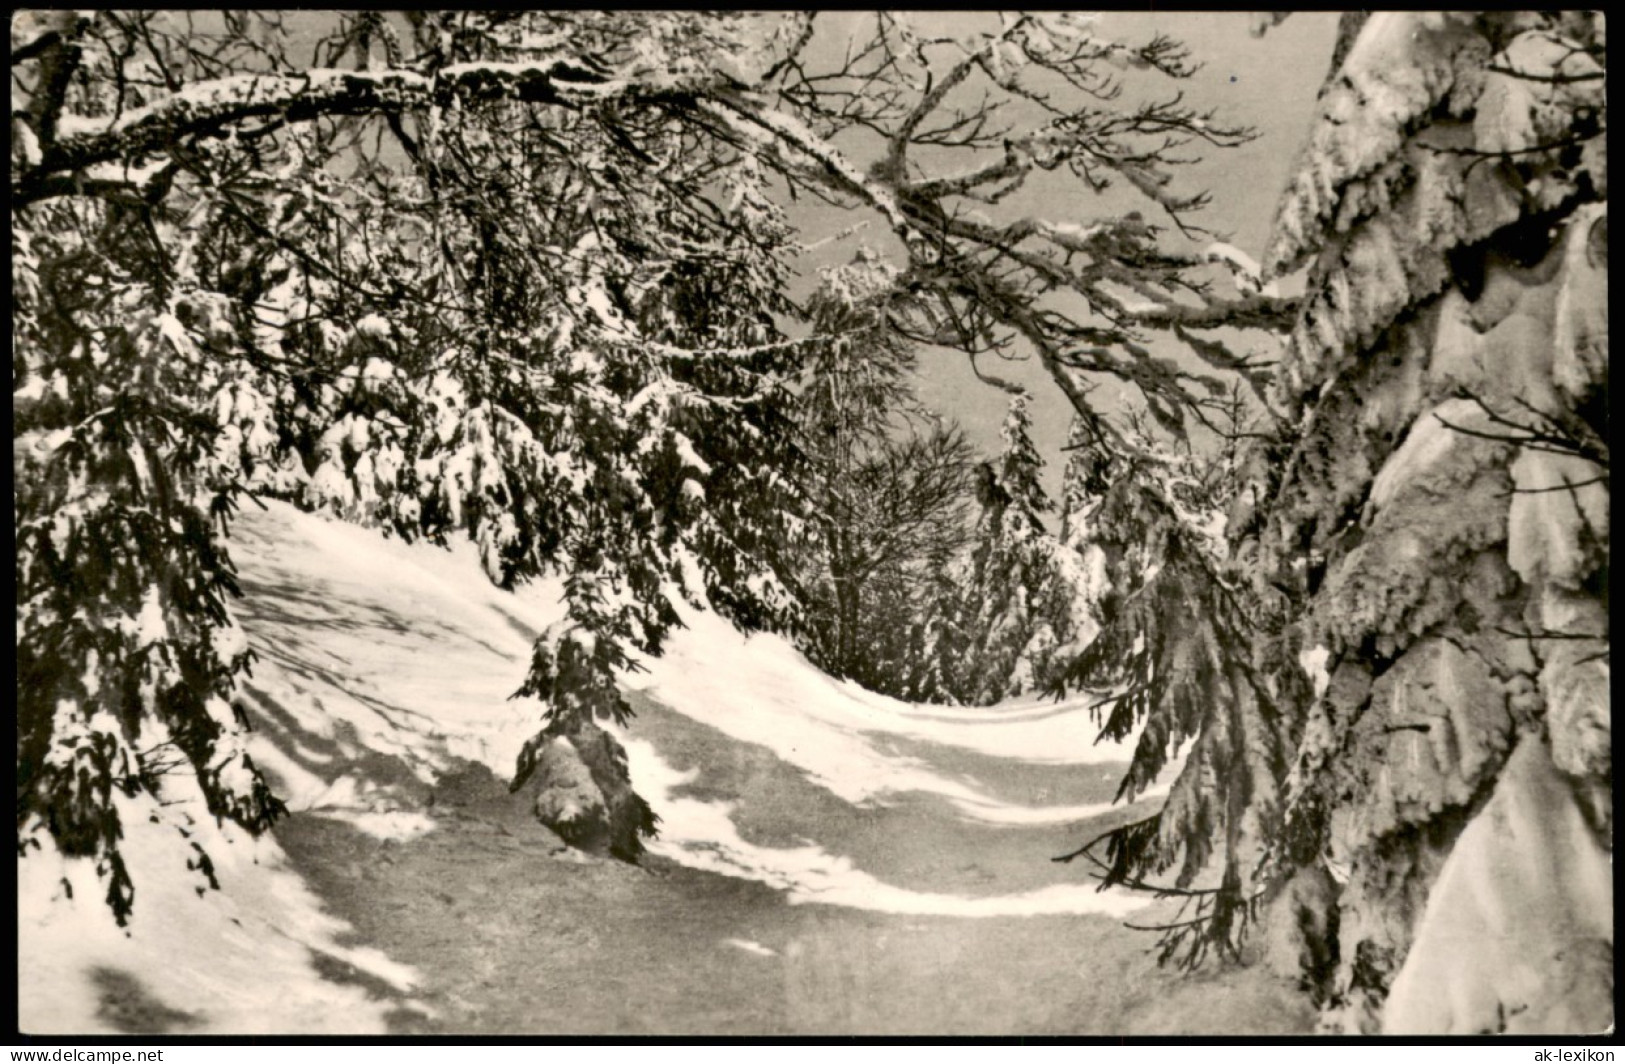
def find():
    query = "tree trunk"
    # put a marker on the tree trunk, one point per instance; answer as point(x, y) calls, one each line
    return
point(847, 603)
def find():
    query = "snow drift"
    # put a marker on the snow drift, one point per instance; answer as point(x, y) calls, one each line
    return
point(1520, 922)
point(383, 666)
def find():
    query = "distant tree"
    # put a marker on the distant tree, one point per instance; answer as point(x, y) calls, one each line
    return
point(1020, 609)
point(887, 484)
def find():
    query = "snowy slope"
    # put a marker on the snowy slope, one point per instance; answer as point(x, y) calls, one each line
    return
point(383, 665)
point(238, 960)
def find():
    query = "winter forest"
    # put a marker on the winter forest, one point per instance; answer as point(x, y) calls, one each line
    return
point(748, 524)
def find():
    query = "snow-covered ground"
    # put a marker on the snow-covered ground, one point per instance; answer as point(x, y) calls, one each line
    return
point(375, 645)
point(383, 665)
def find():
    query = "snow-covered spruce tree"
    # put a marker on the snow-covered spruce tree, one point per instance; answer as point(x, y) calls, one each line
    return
point(1194, 664)
point(1020, 610)
point(1425, 539)
point(918, 492)
point(1453, 354)
point(1192, 486)
point(514, 274)
point(930, 661)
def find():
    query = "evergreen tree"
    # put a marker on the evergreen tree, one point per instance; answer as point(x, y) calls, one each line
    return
point(1021, 608)
point(1400, 647)
point(1451, 556)
point(507, 336)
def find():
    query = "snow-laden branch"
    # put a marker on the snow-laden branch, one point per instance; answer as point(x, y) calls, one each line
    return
point(1274, 313)
point(1104, 242)
point(1016, 162)
point(800, 147)
point(1249, 276)
point(965, 252)
point(216, 106)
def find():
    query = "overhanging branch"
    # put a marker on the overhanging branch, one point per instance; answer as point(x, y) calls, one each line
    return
point(214, 108)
